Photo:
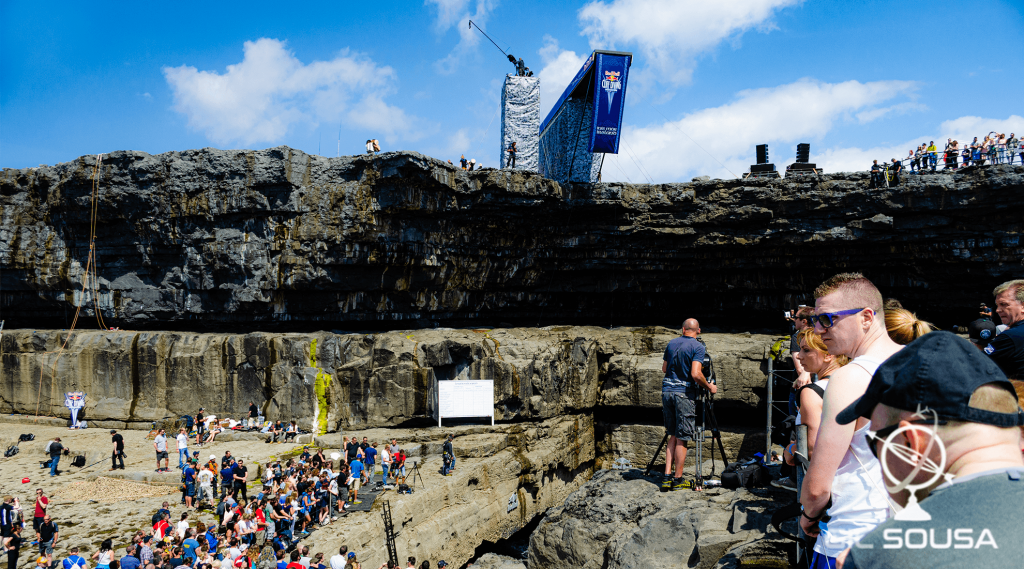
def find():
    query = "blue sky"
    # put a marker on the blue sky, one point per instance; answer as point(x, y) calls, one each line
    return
point(858, 80)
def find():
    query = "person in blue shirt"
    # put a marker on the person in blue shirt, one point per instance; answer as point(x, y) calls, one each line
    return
point(211, 539)
point(371, 460)
point(129, 561)
point(190, 484)
point(227, 475)
point(682, 363)
point(189, 548)
point(356, 470)
point(74, 560)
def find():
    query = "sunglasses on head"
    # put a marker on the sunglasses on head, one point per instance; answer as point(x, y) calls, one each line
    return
point(882, 434)
point(828, 319)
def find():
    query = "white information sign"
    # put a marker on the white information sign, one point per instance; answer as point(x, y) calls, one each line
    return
point(465, 398)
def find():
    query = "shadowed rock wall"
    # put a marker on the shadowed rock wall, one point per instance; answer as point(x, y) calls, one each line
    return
point(277, 239)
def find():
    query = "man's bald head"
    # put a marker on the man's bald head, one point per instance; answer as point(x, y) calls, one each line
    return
point(691, 327)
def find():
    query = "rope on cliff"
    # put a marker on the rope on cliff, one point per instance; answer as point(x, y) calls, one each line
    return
point(89, 266)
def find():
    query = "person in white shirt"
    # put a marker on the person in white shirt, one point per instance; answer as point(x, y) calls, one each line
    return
point(182, 448)
point(339, 560)
point(205, 485)
point(182, 525)
point(844, 478)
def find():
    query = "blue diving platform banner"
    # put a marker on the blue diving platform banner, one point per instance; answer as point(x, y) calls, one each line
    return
point(586, 121)
point(610, 72)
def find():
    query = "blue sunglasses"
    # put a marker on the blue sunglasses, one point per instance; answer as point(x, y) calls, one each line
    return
point(828, 319)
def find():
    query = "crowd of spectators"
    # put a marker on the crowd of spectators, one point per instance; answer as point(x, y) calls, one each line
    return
point(879, 387)
point(293, 498)
point(995, 148)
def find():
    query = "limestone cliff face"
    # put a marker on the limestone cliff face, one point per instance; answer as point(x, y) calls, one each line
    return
point(363, 380)
point(277, 239)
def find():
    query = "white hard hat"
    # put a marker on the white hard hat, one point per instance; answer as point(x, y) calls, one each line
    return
point(335, 455)
point(213, 457)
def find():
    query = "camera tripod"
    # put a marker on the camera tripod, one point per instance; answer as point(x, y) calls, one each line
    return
point(414, 474)
point(705, 420)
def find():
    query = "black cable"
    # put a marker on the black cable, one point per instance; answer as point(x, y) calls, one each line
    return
point(471, 24)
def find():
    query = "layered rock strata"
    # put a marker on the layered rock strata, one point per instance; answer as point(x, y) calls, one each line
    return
point(278, 239)
point(327, 380)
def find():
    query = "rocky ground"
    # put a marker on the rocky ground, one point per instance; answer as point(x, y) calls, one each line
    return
point(620, 520)
point(445, 517)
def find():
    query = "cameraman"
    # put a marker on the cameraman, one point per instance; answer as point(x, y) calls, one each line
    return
point(683, 377)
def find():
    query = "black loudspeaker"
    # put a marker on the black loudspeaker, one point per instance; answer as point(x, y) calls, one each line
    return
point(803, 152)
point(762, 168)
point(762, 153)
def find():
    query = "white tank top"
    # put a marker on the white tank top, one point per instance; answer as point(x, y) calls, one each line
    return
point(822, 383)
point(859, 500)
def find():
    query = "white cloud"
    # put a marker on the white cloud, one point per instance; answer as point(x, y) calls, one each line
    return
point(259, 99)
point(900, 109)
point(962, 129)
point(458, 13)
point(803, 111)
point(560, 66)
point(671, 34)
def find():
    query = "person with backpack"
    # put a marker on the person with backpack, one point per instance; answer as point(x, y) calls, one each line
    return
point(74, 560)
point(7, 515)
point(447, 457)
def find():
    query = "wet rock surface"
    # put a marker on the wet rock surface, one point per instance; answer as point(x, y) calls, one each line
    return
point(278, 239)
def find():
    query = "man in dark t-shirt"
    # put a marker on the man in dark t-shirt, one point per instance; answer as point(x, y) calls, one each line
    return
point(1007, 349)
point(682, 368)
point(239, 476)
point(118, 452)
point(352, 449)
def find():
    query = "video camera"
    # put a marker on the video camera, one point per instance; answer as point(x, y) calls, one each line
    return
point(707, 367)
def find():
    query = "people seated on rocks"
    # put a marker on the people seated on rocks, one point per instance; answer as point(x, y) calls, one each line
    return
point(277, 432)
point(291, 432)
point(946, 424)
point(844, 479)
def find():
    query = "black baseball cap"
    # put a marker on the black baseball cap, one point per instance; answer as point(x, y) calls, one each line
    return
point(940, 371)
point(981, 331)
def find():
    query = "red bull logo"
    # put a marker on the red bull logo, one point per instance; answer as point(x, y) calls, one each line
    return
point(611, 85)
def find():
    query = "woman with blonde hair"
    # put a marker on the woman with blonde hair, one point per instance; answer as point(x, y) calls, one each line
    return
point(816, 360)
point(904, 327)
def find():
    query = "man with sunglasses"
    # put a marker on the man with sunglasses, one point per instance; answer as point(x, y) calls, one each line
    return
point(947, 426)
point(844, 480)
